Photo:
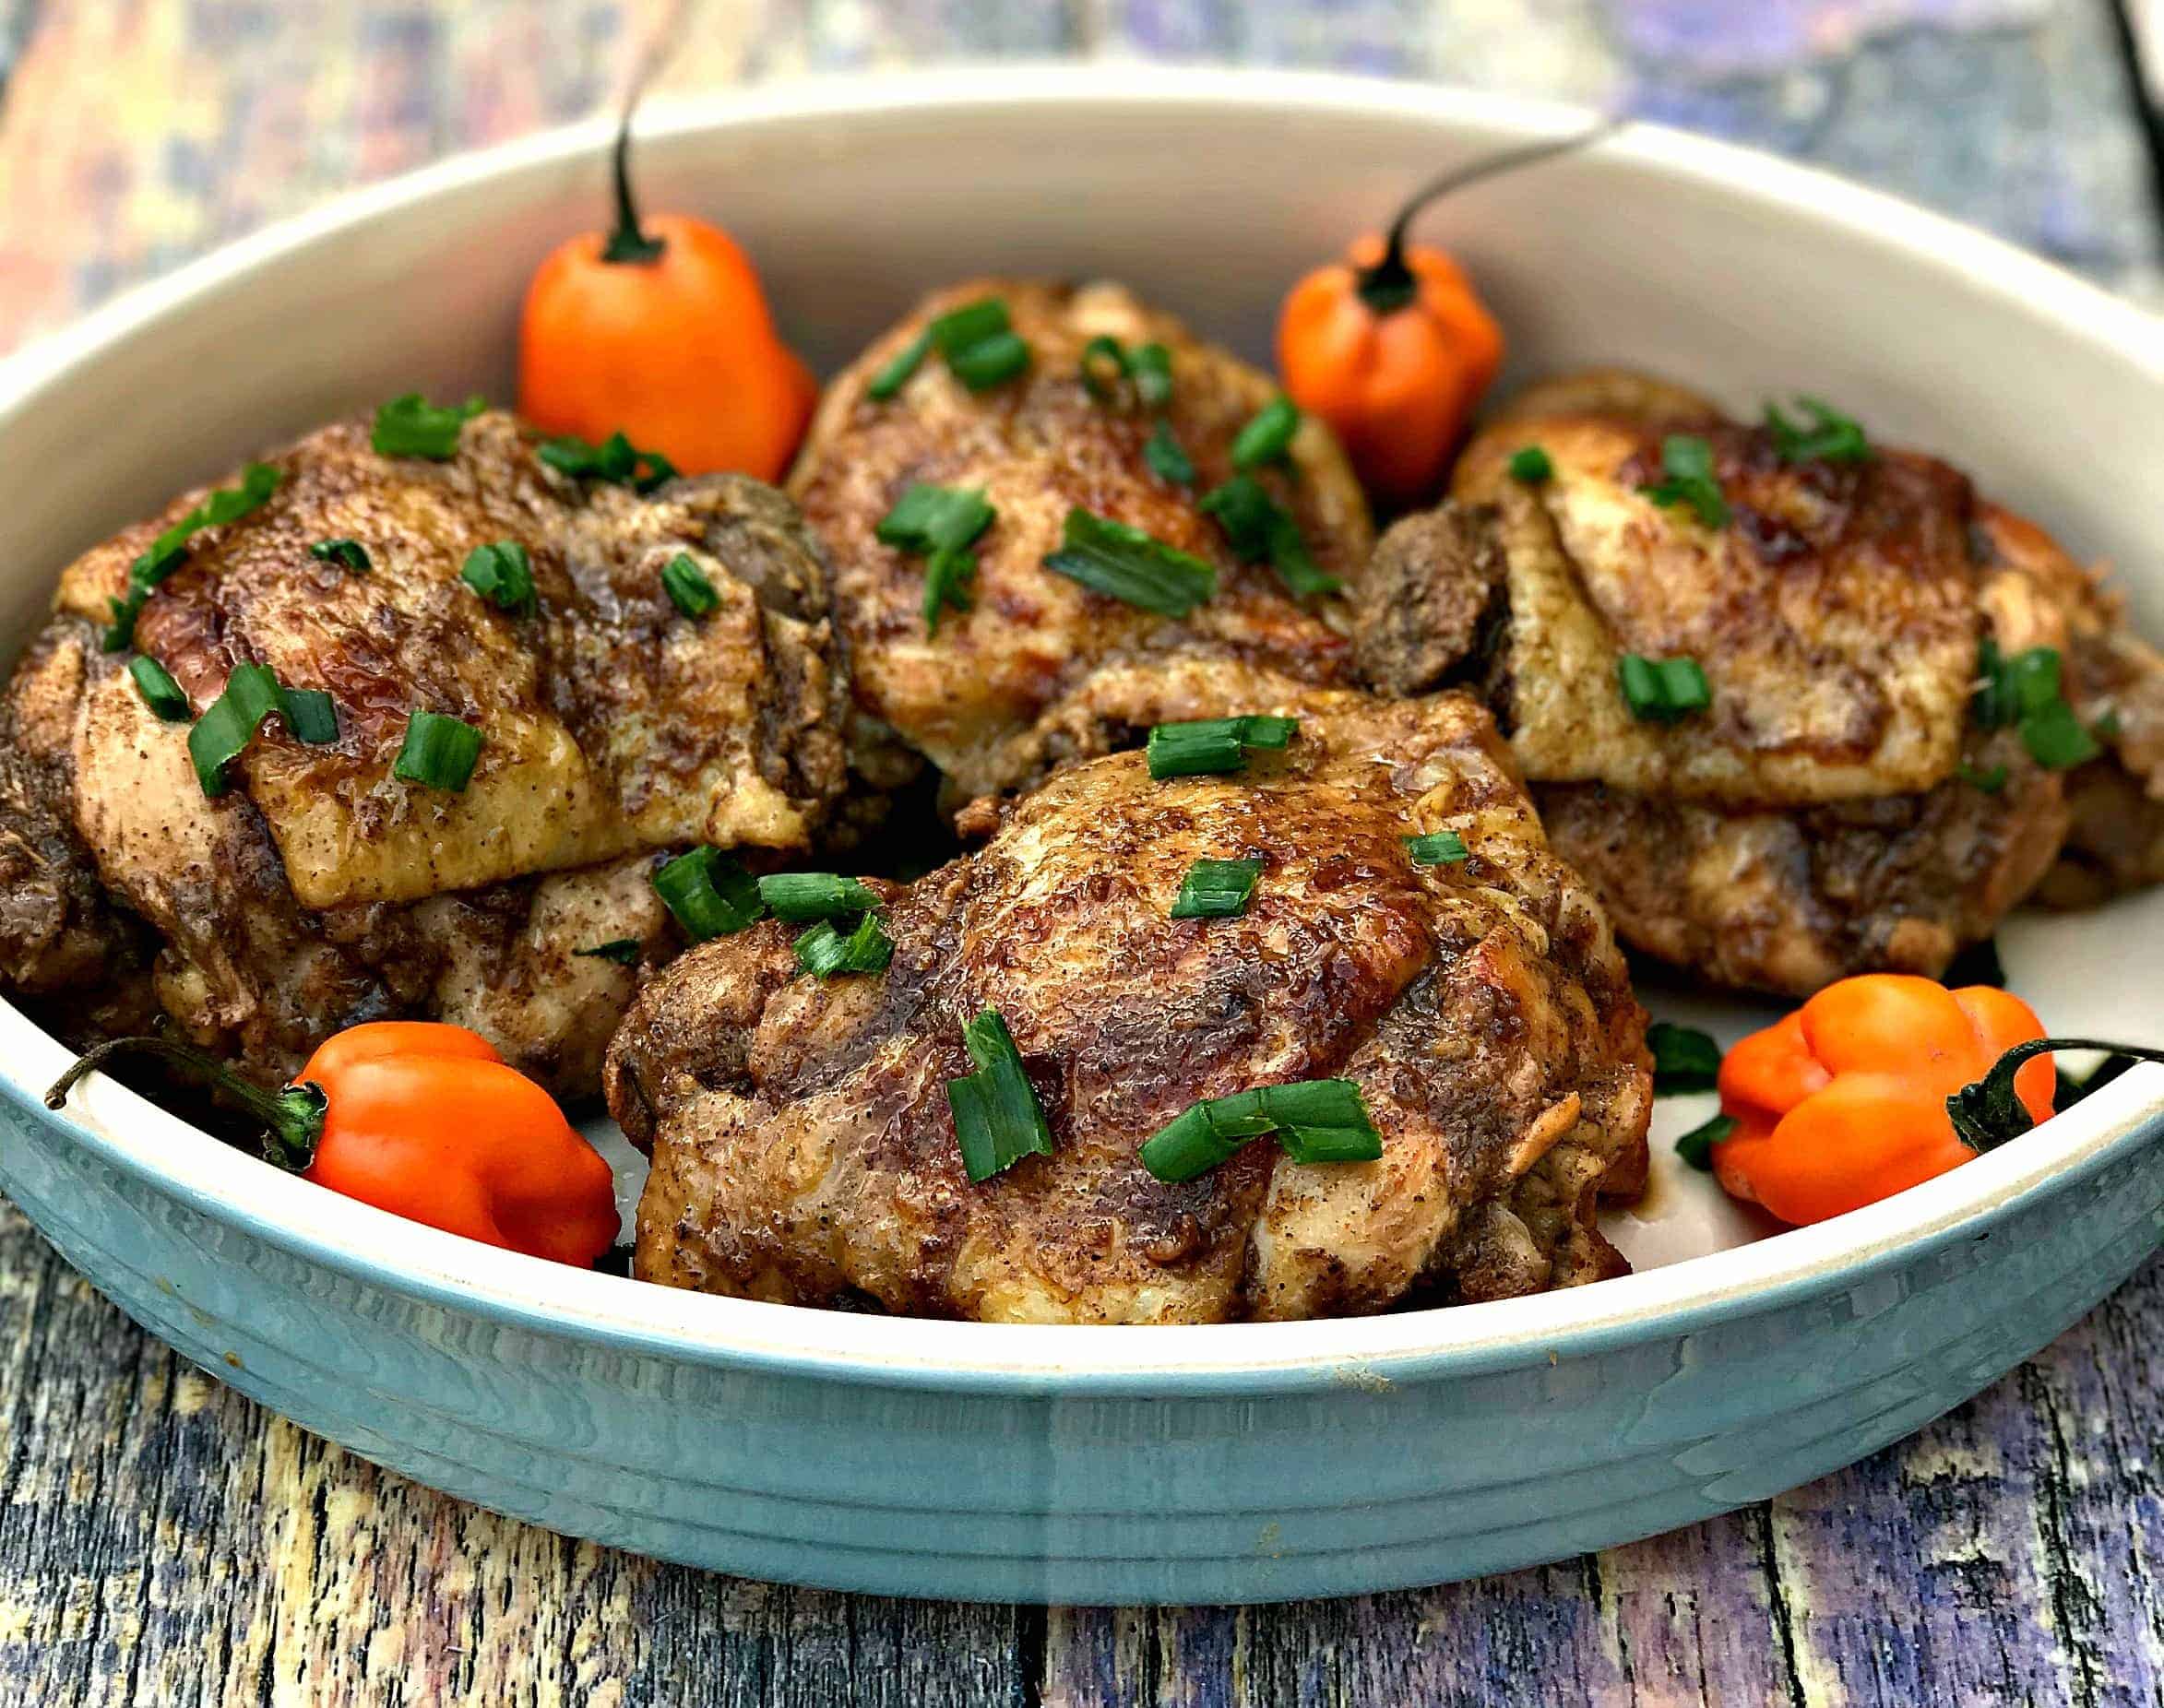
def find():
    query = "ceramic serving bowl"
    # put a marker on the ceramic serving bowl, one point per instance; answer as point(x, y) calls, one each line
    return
point(1125, 1465)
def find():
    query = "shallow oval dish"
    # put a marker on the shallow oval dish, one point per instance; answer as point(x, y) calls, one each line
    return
point(1125, 1465)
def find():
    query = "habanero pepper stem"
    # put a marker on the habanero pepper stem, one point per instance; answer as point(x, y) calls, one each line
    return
point(1988, 1113)
point(627, 244)
point(291, 1116)
point(1389, 284)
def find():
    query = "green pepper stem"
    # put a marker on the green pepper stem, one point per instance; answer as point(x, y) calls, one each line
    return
point(1389, 285)
point(1986, 1114)
point(627, 243)
point(291, 1116)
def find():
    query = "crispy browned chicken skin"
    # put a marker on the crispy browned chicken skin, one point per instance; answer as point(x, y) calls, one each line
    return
point(1041, 668)
point(1814, 820)
point(321, 890)
point(802, 1147)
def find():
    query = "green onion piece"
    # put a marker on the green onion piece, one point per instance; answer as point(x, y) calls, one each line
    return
point(1217, 889)
point(1209, 746)
point(1441, 848)
point(1688, 463)
point(814, 896)
point(501, 574)
point(1150, 367)
point(1103, 365)
point(993, 363)
point(1127, 564)
point(940, 523)
point(1684, 1059)
point(1531, 465)
point(896, 373)
point(1167, 460)
point(251, 695)
point(971, 323)
point(164, 554)
point(709, 893)
point(159, 692)
point(1695, 1146)
point(997, 1117)
point(1831, 438)
point(825, 952)
point(1269, 436)
point(311, 715)
point(1662, 690)
point(412, 426)
point(439, 752)
point(615, 459)
point(348, 553)
point(1315, 1121)
point(2055, 737)
point(624, 950)
point(1985, 782)
point(1257, 527)
point(2034, 677)
point(687, 587)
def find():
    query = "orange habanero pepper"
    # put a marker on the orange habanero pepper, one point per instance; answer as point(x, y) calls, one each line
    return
point(1393, 348)
point(424, 1121)
point(1845, 1101)
point(661, 332)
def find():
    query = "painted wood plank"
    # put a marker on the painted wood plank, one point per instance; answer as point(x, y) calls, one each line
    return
point(161, 1540)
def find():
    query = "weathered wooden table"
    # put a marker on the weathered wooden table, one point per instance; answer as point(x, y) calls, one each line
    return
point(163, 1541)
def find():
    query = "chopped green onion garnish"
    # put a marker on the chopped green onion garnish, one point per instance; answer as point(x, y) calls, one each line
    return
point(412, 426)
point(2025, 690)
point(939, 523)
point(1986, 782)
point(624, 950)
point(687, 587)
point(251, 695)
point(1103, 365)
point(1217, 889)
point(348, 553)
point(981, 348)
point(164, 555)
point(997, 1118)
point(1150, 367)
point(614, 460)
point(1315, 1121)
point(993, 363)
point(1531, 465)
point(501, 574)
point(2055, 737)
point(1166, 459)
point(439, 751)
point(1210, 746)
point(1127, 564)
point(159, 692)
point(1269, 436)
point(814, 896)
point(823, 952)
point(896, 373)
point(1441, 848)
point(1257, 527)
point(1831, 438)
point(1688, 463)
point(311, 715)
point(709, 893)
point(1662, 690)
point(1695, 1146)
point(1684, 1059)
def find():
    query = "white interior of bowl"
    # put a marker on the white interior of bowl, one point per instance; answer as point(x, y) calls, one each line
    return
point(1207, 192)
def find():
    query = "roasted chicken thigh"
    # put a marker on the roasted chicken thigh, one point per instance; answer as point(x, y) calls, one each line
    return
point(1040, 668)
point(321, 887)
point(802, 1145)
point(1835, 807)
